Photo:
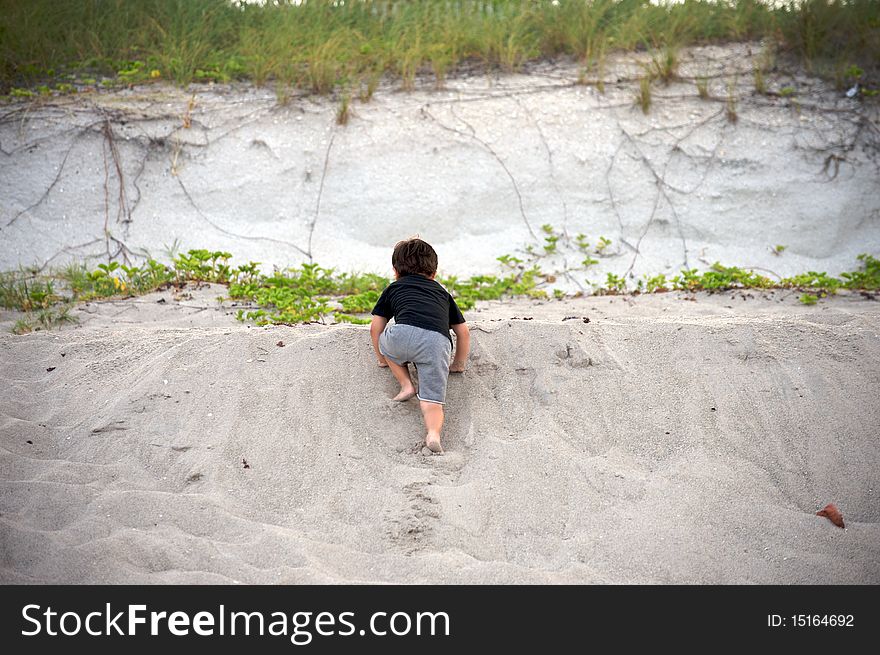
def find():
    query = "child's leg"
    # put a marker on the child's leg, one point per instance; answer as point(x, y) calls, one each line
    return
point(401, 374)
point(394, 348)
point(433, 415)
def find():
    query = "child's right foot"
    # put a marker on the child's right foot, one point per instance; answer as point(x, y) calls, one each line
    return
point(405, 393)
point(432, 441)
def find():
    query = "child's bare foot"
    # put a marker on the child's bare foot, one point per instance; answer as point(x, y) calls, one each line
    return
point(382, 363)
point(406, 392)
point(432, 441)
point(456, 367)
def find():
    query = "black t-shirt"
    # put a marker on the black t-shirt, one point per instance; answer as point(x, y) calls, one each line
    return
point(419, 301)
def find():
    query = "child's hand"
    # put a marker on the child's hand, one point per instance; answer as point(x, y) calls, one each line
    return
point(381, 362)
point(456, 366)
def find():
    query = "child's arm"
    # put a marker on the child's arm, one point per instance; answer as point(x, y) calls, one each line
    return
point(376, 326)
point(462, 347)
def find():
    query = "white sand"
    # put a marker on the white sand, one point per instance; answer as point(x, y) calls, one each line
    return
point(472, 168)
point(664, 441)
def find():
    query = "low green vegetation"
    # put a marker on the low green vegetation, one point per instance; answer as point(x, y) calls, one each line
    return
point(311, 293)
point(36, 298)
point(51, 47)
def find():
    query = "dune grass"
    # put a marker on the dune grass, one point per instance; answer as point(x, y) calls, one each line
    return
point(319, 45)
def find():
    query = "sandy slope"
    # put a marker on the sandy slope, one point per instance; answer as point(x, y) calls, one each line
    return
point(663, 441)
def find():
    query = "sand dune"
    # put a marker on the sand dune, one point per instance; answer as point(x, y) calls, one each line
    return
point(476, 169)
point(685, 446)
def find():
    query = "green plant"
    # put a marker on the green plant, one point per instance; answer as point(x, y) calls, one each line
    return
point(343, 114)
point(854, 72)
point(360, 302)
point(778, 249)
point(703, 87)
point(664, 64)
point(24, 291)
point(868, 277)
point(602, 245)
point(509, 260)
point(657, 284)
point(719, 278)
point(369, 84)
point(643, 95)
point(812, 280)
point(730, 106)
point(550, 240)
point(760, 85)
point(44, 318)
point(203, 266)
point(808, 299)
point(614, 284)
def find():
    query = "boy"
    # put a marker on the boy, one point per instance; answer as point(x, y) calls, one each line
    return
point(423, 313)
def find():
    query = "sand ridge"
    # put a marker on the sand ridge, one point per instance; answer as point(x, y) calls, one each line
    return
point(686, 446)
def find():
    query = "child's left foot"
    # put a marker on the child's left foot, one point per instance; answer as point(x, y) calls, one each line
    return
point(405, 393)
point(432, 441)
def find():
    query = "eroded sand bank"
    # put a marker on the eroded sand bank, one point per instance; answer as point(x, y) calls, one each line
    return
point(476, 169)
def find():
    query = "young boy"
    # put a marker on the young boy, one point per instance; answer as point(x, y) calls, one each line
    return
point(423, 313)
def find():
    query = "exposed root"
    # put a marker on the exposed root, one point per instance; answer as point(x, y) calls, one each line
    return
point(308, 251)
point(472, 135)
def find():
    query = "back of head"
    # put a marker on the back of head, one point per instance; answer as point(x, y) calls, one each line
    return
point(414, 256)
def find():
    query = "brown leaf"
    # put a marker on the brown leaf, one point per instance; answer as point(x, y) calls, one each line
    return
point(280, 344)
point(833, 514)
point(50, 369)
point(244, 462)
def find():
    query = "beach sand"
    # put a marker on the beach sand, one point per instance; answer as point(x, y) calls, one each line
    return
point(666, 440)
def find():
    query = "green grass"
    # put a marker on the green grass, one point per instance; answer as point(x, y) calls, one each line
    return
point(320, 45)
point(643, 95)
point(702, 84)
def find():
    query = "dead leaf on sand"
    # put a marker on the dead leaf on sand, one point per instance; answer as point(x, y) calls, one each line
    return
point(244, 463)
point(833, 514)
point(280, 344)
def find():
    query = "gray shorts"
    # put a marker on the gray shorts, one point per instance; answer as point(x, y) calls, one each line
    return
point(429, 351)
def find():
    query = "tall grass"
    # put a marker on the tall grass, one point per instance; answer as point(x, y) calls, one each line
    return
point(322, 44)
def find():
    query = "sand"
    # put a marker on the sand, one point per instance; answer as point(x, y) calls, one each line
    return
point(667, 439)
point(664, 441)
point(476, 169)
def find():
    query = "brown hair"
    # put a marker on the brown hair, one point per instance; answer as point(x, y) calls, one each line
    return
point(414, 256)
